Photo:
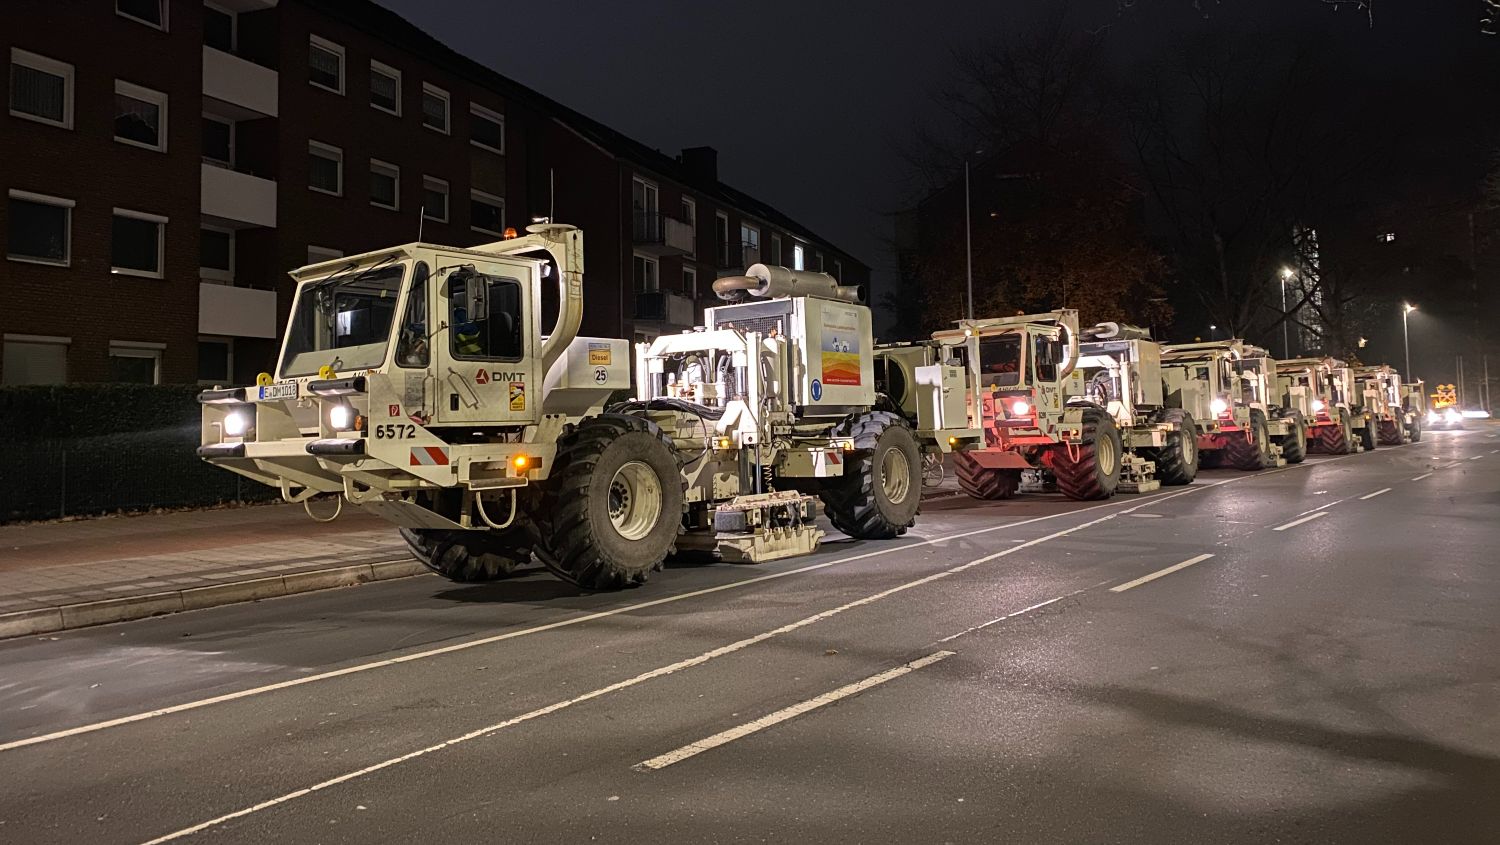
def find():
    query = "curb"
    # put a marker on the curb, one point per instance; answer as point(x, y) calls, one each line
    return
point(48, 620)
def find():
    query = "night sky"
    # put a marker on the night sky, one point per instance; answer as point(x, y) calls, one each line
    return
point(806, 101)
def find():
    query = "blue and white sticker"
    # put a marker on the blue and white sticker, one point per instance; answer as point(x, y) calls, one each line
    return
point(817, 390)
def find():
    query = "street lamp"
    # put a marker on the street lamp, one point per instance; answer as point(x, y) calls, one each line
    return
point(968, 245)
point(1286, 275)
point(1406, 309)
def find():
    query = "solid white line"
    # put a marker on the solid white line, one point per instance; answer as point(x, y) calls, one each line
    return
point(1041, 604)
point(1296, 522)
point(1150, 500)
point(1376, 493)
point(1159, 573)
point(1422, 476)
point(782, 715)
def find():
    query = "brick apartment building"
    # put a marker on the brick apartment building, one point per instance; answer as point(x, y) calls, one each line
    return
point(165, 162)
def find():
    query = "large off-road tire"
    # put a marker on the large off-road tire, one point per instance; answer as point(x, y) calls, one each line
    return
point(470, 556)
point(1250, 453)
point(1390, 433)
point(1368, 436)
point(1177, 461)
point(613, 503)
point(1294, 442)
point(1090, 470)
point(1414, 431)
point(1337, 439)
point(878, 496)
point(983, 483)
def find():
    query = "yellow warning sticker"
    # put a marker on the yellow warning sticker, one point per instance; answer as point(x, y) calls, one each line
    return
point(599, 354)
point(518, 396)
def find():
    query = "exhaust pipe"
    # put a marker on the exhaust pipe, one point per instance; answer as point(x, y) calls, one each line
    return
point(761, 280)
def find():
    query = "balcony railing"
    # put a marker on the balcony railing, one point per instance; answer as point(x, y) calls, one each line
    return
point(737, 255)
point(239, 198)
point(662, 234)
point(236, 312)
point(245, 85)
point(664, 307)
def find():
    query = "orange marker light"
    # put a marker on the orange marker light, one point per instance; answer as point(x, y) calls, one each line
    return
point(520, 461)
point(510, 233)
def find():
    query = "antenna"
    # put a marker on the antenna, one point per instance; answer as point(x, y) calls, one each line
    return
point(421, 219)
point(551, 195)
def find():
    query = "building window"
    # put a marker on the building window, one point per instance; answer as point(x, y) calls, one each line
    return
point(135, 363)
point(319, 254)
point(218, 141)
point(486, 213)
point(838, 270)
point(644, 271)
point(434, 199)
point(435, 108)
point(799, 260)
point(38, 228)
point(721, 237)
point(818, 261)
point(1387, 238)
point(216, 255)
point(41, 89)
point(325, 65)
point(135, 244)
point(325, 173)
point(385, 185)
point(776, 250)
point(690, 282)
point(385, 88)
point(219, 28)
point(215, 360)
point(689, 214)
point(486, 129)
point(31, 359)
point(750, 243)
point(148, 12)
point(140, 116)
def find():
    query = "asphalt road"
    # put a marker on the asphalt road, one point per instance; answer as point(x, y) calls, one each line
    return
point(1301, 655)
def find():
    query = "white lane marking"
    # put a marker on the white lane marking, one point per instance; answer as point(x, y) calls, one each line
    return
point(1493, 451)
point(1422, 476)
point(782, 715)
point(1476, 457)
point(1159, 573)
point(1151, 500)
point(1023, 611)
point(1296, 522)
point(1376, 493)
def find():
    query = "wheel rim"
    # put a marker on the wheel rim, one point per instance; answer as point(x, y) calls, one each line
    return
point(635, 499)
point(895, 476)
point(1104, 454)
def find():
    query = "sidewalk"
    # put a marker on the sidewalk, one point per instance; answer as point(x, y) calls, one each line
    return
point(60, 575)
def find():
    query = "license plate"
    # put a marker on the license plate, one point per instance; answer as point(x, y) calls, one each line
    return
point(279, 390)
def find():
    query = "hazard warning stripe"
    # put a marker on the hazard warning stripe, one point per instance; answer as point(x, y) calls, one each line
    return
point(834, 458)
point(429, 456)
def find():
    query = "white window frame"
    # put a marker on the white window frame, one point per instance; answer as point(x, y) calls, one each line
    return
point(338, 155)
point(776, 254)
point(691, 289)
point(44, 199)
point(386, 70)
point(337, 50)
point(492, 116)
point(749, 226)
point(228, 358)
point(394, 171)
point(319, 254)
point(166, 9)
point(48, 66)
point(161, 244)
point(475, 194)
point(799, 257)
point(145, 95)
point(429, 88)
point(139, 349)
point(430, 183)
point(214, 274)
point(651, 260)
point(40, 340)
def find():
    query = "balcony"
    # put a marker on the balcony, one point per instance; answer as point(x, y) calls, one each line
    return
point(236, 312)
point(237, 200)
point(735, 257)
point(247, 89)
point(659, 306)
point(659, 234)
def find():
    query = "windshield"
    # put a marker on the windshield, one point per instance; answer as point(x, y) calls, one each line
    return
point(1000, 360)
point(343, 321)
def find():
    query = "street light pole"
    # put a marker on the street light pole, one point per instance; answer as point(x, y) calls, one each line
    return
point(968, 246)
point(1286, 344)
point(1406, 309)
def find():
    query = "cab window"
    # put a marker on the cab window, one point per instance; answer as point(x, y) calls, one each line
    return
point(411, 346)
point(484, 313)
point(1048, 354)
point(1000, 360)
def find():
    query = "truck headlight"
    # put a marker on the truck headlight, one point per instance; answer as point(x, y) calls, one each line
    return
point(236, 423)
point(1318, 406)
point(1453, 416)
point(1020, 408)
point(340, 417)
point(1218, 406)
point(1432, 416)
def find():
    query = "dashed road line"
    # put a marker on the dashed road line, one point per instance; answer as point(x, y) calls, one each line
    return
point(740, 732)
point(1476, 457)
point(1422, 476)
point(1161, 572)
point(1379, 492)
point(1296, 522)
